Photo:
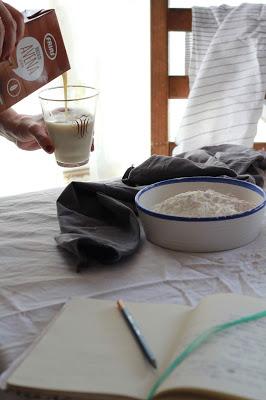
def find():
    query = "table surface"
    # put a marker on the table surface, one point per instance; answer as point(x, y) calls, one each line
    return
point(37, 277)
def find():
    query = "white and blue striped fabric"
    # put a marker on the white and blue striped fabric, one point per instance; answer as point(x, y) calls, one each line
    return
point(227, 75)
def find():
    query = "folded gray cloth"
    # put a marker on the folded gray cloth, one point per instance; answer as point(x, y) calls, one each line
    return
point(97, 220)
point(231, 160)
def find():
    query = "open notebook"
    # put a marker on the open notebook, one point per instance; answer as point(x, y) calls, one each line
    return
point(88, 352)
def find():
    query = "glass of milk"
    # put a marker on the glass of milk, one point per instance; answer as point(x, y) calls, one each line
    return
point(69, 114)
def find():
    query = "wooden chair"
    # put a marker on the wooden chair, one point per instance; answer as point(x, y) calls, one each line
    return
point(163, 86)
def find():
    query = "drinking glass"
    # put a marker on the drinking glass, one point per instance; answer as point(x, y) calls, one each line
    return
point(69, 114)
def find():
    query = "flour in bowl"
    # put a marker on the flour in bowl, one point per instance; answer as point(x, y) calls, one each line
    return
point(203, 203)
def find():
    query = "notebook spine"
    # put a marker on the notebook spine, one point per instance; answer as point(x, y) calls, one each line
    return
point(24, 394)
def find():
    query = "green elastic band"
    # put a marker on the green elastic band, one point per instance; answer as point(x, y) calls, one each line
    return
point(196, 343)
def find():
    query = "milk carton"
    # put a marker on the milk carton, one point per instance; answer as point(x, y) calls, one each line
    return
point(39, 57)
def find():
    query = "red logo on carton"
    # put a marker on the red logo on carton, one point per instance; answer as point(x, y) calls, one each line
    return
point(50, 46)
point(13, 87)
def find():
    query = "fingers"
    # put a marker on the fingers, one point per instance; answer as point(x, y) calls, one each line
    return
point(2, 37)
point(11, 29)
point(28, 132)
point(18, 17)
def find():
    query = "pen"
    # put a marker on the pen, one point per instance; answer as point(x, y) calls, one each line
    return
point(137, 333)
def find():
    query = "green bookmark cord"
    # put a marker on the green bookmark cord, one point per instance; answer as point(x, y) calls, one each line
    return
point(196, 343)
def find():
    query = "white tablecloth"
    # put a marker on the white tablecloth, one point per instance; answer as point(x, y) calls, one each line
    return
point(36, 277)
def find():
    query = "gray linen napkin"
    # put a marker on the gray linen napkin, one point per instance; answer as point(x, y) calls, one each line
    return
point(97, 220)
point(235, 161)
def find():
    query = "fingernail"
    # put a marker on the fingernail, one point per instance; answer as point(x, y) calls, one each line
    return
point(49, 149)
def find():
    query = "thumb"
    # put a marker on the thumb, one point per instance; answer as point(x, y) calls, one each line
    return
point(38, 131)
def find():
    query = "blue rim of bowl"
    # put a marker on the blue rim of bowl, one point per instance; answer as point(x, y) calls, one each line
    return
point(230, 181)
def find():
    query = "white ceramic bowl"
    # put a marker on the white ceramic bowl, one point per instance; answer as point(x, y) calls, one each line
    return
point(200, 234)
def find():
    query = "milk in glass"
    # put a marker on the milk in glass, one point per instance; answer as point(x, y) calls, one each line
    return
point(69, 113)
point(71, 132)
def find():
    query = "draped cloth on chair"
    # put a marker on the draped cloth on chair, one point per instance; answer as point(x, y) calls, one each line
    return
point(227, 74)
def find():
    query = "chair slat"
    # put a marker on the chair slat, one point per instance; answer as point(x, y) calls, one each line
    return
point(179, 19)
point(178, 87)
point(159, 77)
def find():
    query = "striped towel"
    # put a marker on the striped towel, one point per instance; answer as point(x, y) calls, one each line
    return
point(227, 74)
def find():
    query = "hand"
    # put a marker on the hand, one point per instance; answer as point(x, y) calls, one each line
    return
point(27, 132)
point(11, 29)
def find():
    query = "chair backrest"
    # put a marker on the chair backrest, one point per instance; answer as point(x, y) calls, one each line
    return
point(163, 86)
